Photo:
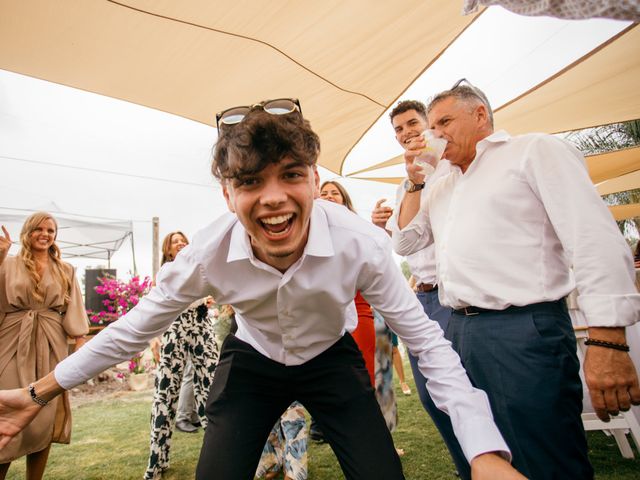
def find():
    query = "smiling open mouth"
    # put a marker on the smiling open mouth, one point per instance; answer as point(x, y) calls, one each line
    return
point(277, 226)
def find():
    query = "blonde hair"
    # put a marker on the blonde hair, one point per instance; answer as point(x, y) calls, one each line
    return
point(166, 246)
point(26, 256)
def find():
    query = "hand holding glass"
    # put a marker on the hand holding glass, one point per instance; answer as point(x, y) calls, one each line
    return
point(432, 153)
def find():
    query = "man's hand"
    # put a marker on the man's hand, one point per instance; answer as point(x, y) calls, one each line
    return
point(412, 149)
point(5, 244)
point(491, 466)
point(16, 412)
point(611, 377)
point(381, 214)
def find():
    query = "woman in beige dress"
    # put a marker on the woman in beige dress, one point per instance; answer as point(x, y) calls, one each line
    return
point(40, 307)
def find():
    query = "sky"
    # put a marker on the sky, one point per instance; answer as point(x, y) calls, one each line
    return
point(91, 155)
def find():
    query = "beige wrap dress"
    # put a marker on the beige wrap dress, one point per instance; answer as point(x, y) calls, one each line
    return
point(33, 339)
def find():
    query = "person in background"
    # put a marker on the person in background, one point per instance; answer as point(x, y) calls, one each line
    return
point(40, 308)
point(409, 121)
point(189, 340)
point(286, 447)
point(397, 365)
point(364, 334)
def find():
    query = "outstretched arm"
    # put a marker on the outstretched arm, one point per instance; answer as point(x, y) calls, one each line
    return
point(18, 409)
point(491, 466)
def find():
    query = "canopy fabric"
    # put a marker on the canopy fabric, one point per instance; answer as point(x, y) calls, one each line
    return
point(602, 167)
point(630, 181)
point(606, 166)
point(343, 60)
point(86, 237)
point(598, 89)
point(624, 212)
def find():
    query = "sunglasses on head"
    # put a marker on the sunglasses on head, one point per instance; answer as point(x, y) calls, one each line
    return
point(279, 106)
point(477, 93)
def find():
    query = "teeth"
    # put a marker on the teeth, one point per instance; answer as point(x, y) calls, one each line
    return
point(277, 220)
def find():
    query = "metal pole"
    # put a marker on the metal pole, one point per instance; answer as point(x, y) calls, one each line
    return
point(155, 261)
point(133, 254)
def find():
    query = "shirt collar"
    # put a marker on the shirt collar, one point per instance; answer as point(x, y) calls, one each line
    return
point(319, 243)
point(239, 244)
point(496, 137)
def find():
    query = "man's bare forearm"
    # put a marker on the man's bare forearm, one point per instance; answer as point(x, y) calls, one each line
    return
point(408, 208)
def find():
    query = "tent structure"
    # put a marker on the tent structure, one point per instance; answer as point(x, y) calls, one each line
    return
point(77, 237)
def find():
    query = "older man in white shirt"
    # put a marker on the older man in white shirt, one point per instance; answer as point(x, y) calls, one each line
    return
point(509, 222)
point(290, 267)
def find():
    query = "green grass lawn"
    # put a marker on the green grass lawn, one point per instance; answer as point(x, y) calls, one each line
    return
point(110, 441)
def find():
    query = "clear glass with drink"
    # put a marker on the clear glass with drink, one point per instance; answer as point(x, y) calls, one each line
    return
point(432, 153)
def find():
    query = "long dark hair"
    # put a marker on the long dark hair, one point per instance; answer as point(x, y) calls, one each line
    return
point(345, 195)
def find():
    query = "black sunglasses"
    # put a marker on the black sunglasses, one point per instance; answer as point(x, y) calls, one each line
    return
point(279, 106)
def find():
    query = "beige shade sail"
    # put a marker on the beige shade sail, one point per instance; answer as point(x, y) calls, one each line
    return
point(624, 212)
point(606, 166)
point(598, 89)
point(630, 181)
point(347, 62)
point(602, 167)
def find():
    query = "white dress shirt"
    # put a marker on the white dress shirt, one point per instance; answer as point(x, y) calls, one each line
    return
point(294, 316)
point(508, 230)
point(422, 263)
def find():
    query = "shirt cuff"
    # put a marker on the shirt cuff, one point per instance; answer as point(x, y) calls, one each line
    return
point(480, 435)
point(610, 310)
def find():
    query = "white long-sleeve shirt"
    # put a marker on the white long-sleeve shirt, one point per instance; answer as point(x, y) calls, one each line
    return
point(508, 231)
point(422, 263)
point(294, 316)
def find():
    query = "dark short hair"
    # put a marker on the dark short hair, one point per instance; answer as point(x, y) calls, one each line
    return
point(261, 139)
point(406, 105)
point(466, 93)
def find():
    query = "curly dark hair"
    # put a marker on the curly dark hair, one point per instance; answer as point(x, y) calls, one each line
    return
point(261, 139)
point(406, 105)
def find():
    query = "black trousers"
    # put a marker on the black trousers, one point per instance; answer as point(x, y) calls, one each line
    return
point(250, 392)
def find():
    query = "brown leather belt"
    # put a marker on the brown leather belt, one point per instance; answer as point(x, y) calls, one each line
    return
point(426, 287)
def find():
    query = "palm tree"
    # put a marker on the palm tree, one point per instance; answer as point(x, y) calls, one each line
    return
point(607, 138)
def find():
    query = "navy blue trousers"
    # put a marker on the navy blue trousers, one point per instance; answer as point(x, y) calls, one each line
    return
point(440, 314)
point(526, 362)
point(249, 393)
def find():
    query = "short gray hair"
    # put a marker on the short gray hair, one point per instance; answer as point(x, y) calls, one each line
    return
point(466, 93)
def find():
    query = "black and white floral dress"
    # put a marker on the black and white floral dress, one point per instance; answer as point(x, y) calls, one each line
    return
point(189, 336)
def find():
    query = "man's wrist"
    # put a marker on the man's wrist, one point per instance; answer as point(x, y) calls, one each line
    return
point(411, 186)
point(47, 388)
point(608, 334)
